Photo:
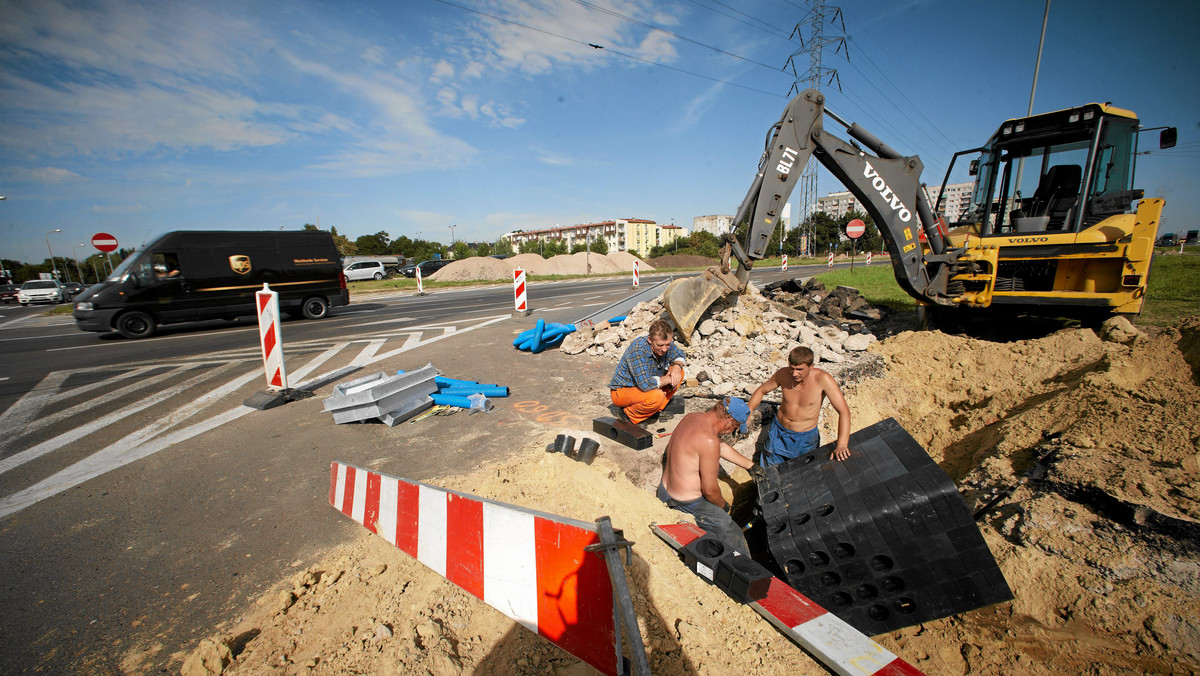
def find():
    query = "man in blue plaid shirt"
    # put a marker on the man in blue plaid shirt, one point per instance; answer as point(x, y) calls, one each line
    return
point(649, 374)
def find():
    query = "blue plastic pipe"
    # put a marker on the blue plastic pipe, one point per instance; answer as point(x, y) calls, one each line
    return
point(486, 390)
point(450, 400)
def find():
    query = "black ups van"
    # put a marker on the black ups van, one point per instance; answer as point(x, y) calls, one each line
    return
point(196, 275)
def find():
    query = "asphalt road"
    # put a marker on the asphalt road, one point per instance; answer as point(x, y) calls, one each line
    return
point(141, 504)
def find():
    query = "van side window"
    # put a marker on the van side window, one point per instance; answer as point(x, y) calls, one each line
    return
point(166, 265)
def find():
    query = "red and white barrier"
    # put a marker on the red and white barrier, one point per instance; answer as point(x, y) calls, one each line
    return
point(271, 338)
point(635, 274)
point(831, 259)
point(868, 258)
point(420, 286)
point(529, 565)
point(839, 646)
point(519, 299)
point(785, 262)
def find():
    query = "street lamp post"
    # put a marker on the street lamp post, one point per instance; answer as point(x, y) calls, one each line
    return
point(452, 236)
point(52, 263)
point(75, 255)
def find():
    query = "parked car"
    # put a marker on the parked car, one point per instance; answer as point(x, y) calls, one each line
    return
point(8, 292)
point(427, 267)
point(72, 289)
point(41, 291)
point(365, 270)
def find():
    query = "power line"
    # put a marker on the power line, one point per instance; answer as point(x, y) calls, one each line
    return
point(608, 50)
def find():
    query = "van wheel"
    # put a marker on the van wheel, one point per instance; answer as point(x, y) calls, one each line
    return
point(134, 325)
point(315, 307)
point(378, 276)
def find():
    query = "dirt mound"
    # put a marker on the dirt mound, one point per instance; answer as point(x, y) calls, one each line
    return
point(1100, 544)
point(486, 268)
point(683, 262)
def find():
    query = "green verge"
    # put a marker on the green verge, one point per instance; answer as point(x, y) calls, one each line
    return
point(1173, 293)
point(876, 283)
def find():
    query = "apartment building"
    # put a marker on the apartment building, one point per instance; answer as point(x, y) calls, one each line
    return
point(958, 196)
point(621, 234)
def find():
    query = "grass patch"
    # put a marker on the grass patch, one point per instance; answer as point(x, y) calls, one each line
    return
point(1172, 295)
point(876, 283)
point(1174, 290)
point(63, 309)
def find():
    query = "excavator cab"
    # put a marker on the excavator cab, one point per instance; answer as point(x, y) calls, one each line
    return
point(1057, 224)
point(1057, 172)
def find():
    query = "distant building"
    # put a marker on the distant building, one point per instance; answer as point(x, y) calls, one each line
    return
point(621, 234)
point(717, 225)
point(958, 196)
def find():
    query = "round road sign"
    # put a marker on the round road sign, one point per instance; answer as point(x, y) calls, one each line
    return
point(104, 242)
point(855, 229)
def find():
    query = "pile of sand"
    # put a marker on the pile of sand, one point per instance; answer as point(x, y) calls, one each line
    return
point(683, 262)
point(1100, 549)
point(486, 268)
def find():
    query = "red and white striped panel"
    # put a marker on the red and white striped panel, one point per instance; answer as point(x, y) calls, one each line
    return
point(831, 259)
point(270, 337)
point(868, 258)
point(635, 273)
point(519, 301)
point(528, 565)
point(825, 636)
point(420, 285)
point(785, 262)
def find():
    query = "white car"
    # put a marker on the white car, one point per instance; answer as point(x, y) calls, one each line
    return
point(40, 291)
point(365, 270)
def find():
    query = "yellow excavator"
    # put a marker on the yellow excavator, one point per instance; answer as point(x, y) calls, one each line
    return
point(1054, 225)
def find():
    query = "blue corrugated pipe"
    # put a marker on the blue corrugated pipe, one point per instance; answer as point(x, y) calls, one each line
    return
point(485, 390)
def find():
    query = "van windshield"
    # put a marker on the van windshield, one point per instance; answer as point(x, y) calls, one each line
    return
point(130, 261)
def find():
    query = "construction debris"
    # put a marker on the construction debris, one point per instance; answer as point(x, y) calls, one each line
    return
point(742, 340)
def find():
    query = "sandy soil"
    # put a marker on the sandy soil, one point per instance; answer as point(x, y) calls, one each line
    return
point(486, 268)
point(1101, 546)
point(683, 262)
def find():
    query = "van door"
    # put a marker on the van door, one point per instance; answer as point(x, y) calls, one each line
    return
point(161, 286)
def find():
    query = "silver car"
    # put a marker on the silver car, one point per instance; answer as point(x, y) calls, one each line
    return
point(40, 291)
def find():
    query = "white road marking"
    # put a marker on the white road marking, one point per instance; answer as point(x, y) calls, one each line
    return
point(142, 443)
point(51, 445)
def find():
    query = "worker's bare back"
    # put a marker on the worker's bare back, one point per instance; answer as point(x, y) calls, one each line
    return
point(681, 475)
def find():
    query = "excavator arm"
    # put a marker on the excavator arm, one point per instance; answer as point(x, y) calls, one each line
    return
point(885, 182)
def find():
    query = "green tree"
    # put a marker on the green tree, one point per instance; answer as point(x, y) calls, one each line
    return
point(503, 247)
point(343, 243)
point(310, 227)
point(483, 249)
point(531, 246)
point(373, 245)
point(554, 247)
point(401, 246)
point(461, 250)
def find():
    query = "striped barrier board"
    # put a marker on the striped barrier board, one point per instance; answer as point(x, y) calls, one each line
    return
point(267, 302)
point(519, 296)
point(529, 565)
point(635, 274)
point(839, 646)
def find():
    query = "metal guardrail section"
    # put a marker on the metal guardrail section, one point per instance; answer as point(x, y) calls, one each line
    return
point(389, 398)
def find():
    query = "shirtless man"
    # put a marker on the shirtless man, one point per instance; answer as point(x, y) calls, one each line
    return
point(794, 431)
point(689, 482)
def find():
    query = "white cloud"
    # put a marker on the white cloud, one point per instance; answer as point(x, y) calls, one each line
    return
point(45, 175)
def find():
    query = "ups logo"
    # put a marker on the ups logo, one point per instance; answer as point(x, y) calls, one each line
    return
point(240, 264)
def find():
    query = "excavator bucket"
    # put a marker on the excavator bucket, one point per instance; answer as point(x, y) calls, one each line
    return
point(687, 299)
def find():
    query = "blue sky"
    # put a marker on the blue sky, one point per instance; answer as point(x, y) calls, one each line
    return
point(136, 118)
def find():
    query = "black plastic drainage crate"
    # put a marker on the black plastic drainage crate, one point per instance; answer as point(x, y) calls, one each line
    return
point(882, 539)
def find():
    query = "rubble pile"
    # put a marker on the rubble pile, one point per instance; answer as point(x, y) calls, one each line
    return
point(740, 342)
point(843, 306)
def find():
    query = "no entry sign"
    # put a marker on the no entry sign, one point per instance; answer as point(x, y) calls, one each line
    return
point(855, 229)
point(104, 242)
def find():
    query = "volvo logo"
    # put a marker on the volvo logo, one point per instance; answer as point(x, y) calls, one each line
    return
point(889, 197)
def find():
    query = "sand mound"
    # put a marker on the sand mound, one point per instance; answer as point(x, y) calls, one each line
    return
point(1099, 547)
point(486, 268)
point(683, 262)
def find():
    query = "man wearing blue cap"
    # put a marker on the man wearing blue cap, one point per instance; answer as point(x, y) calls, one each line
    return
point(689, 482)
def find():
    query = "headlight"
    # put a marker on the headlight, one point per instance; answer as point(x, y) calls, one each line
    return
point(84, 306)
